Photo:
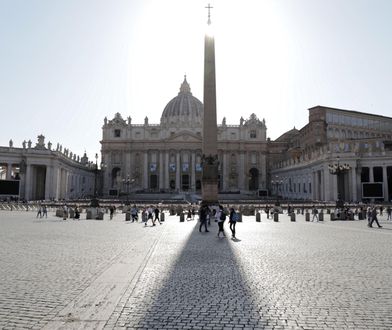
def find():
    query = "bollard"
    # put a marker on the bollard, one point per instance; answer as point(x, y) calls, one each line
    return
point(239, 217)
point(162, 217)
point(258, 217)
point(89, 215)
point(292, 216)
point(181, 217)
point(298, 211)
point(127, 216)
point(307, 216)
point(321, 216)
point(276, 216)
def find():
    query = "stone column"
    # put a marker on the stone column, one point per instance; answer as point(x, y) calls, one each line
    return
point(334, 187)
point(178, 171)
point(371, 174)
point(145, 170)
point(224, 171)
point(385, 183)
point(9, 171)
point(353, 187)
point(56, 183)
point(66, 185)
point(49, 182)
point(193, 172)
point(167, 170)
point(359, 183)
point(241, 178)
point(161, 167)
point(28, 182)
point(314, 185)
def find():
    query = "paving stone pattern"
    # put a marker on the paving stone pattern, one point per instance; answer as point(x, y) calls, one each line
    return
point(285, 275)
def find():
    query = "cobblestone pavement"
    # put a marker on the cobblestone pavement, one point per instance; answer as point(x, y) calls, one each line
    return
point(110, 274)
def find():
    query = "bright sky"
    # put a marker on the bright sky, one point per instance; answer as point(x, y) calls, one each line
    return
point(66, 64)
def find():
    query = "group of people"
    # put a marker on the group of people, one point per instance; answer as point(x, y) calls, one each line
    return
point(219, 215)
point(148, 213)
point(42, 211)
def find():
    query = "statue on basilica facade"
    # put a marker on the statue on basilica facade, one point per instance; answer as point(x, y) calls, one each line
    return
point(129, 120)
point(146, 121)
point(11, 143)
point(29, 143)
point(24, 144)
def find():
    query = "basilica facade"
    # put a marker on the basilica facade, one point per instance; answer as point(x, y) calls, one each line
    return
point(167, 157)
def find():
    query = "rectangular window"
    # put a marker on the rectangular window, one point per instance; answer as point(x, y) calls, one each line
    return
point(252, 134)
point(117, 133)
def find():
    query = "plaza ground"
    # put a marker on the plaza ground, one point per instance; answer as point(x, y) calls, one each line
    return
point(91, 274)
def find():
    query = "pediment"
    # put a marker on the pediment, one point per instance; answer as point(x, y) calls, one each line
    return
point(117, 121)
point(185, 136)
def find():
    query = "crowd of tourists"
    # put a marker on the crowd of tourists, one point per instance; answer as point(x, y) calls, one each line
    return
point(208, 214)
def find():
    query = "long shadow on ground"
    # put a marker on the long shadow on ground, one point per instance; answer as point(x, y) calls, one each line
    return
point(204, 288)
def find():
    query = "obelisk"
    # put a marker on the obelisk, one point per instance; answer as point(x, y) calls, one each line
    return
point(210, 153)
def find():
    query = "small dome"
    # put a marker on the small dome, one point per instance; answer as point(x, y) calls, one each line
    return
point(184, 108)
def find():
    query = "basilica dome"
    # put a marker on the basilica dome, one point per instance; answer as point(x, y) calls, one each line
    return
point(183, 110)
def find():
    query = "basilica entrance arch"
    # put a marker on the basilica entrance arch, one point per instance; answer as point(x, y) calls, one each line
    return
point(253, 179)
point(185, 182)
point(153, 181)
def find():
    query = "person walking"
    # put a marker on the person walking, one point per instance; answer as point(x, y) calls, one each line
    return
point(149, 216)
point(193, 213)
point(203, 212)
point(369, 214)
point(374, 218)
point(315, 213)
point(44, 211)
point(189, 215)
point(65, 212)
point(156, 212)
point(233, 217)
point(221, 217)
point(39, 213)
point(77, 213)
point(111, 211)
point(267, 211)
point(134, 212)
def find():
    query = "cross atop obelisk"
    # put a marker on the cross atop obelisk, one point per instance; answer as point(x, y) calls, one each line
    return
point(210, 152)
point(209, 13)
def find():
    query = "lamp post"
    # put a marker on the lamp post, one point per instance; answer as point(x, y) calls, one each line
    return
point(339, 169)
point(127, 181)
point(276, 187)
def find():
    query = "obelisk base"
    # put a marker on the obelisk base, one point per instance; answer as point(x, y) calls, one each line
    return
point(210, 193)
